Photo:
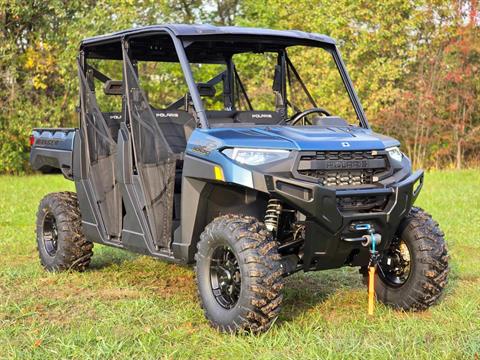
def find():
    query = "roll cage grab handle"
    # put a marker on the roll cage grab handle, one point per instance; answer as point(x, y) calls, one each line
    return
point(195, 95)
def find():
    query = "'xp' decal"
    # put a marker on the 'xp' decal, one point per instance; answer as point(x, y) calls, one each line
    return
point(204, 149)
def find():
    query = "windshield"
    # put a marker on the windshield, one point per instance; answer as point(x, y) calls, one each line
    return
point(280, 83)
point(313, 80)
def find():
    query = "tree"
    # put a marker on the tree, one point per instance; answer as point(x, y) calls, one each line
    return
point(414, 63)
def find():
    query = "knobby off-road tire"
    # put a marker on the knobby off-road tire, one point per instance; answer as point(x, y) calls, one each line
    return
point(60, 240)
point(428, 265)
point(250, 247)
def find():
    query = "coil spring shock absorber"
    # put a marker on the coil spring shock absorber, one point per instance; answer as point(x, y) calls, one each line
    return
point(272, 215)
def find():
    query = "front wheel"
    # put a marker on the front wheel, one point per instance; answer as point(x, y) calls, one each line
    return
point(239, 275)
point(413, 272)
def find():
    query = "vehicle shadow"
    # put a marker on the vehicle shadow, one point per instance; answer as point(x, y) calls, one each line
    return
point(105, 257)
point(302, 291)
point(305, 291)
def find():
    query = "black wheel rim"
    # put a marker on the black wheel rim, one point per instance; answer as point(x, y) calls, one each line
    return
point(395, 266)
point(50, 234)
point(225, 277)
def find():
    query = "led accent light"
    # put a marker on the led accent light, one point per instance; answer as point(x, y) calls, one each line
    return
point(218, 173)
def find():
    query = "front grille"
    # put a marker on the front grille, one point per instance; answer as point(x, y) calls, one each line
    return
point(340, 178)
point(344, 168)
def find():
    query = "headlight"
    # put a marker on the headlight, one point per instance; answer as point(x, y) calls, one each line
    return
point(395, 153)
point(255, 156)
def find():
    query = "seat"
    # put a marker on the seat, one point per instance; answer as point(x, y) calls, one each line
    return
point(220, 117)
point(176, 126)
point(113, 120)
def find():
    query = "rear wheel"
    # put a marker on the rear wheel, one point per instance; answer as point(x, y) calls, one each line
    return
point(413, 272)
point(60, 241)
point(239, 275)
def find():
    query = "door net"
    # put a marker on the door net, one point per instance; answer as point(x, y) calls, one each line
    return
point(102, 151)
point(155, 159)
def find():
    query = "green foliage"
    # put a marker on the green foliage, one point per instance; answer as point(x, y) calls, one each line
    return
point(414, 63)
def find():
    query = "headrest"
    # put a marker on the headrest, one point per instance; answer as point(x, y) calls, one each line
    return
point(112, 117)
point(172, 116)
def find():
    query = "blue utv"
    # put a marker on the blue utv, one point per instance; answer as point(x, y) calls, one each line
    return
point(243, 151)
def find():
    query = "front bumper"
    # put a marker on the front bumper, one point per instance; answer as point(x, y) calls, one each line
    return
point(327, 226)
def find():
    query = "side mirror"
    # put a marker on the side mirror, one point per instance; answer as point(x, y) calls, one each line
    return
point(113, 87)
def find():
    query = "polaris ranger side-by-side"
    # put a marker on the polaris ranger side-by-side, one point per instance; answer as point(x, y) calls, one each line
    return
point(183, 157)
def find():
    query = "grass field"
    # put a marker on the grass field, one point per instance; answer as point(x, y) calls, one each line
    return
point(129, 306)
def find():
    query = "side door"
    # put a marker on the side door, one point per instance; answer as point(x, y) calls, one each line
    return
point(148, 186)
point(95, 153)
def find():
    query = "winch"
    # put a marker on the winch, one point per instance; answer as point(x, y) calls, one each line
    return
point(368, 238)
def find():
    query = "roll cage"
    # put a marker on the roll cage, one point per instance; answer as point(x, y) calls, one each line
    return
point(209, 44)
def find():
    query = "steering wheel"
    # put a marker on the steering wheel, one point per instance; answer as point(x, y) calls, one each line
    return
point(301, 116)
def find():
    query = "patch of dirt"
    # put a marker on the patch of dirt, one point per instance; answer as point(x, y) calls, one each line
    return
point(52, 289)
point(10, 261)
point(181, 285)
point(470, 278)
point(399, 314)
point(110, 286)
point(343, 304)
point(326, 295)
point(473, 250)
point(55, 300)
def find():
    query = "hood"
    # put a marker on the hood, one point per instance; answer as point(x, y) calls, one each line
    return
point(300, 138)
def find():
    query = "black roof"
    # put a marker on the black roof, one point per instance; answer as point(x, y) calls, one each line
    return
point(221, 37)
point(182, 30)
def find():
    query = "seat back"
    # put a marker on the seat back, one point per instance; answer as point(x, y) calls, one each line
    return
point(113, 120)
point(176, 126)
point(220, 117)
point(258, 117)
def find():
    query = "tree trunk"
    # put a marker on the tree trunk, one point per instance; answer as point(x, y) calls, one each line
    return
point(459, 154)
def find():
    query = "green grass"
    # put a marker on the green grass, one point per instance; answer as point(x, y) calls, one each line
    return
point(129, 306)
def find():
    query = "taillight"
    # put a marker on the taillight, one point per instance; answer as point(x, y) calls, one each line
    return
point(32, 140)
